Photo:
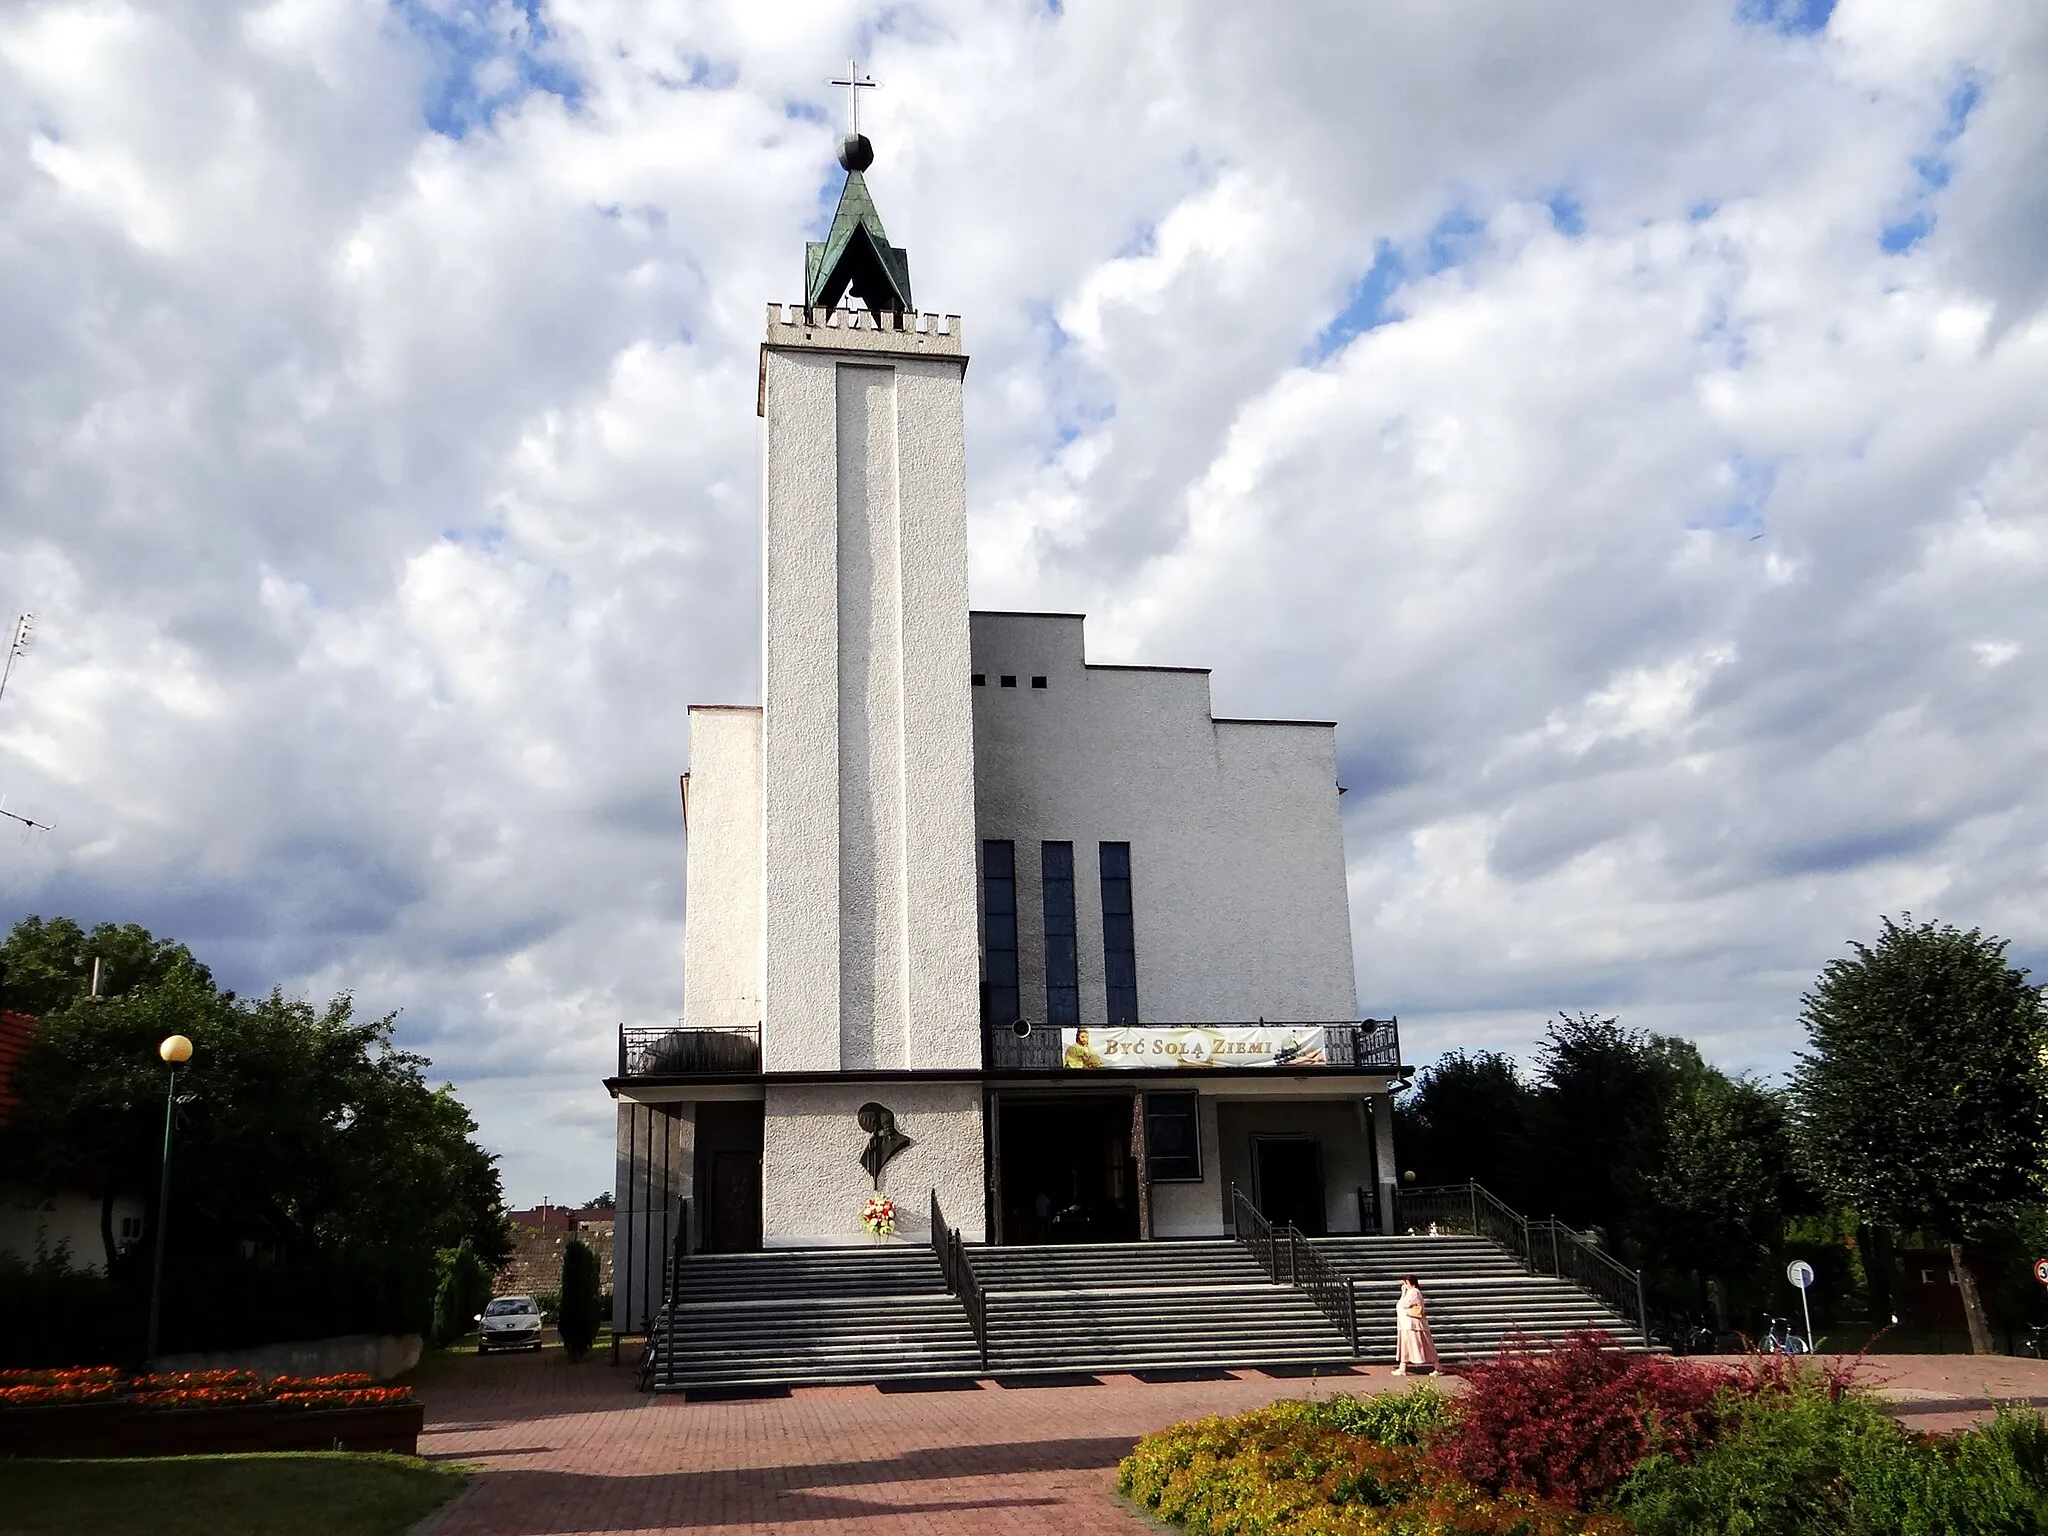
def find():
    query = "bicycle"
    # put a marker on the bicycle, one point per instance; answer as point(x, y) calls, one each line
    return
point(1779, 1339)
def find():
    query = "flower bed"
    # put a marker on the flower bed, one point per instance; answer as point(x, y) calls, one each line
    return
point(1588, 1439)
point(102, 1412)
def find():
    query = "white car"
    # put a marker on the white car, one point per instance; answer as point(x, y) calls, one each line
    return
point(509, 1322)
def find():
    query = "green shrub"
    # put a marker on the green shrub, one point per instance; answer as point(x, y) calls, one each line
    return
point(1778, 1464)
point(579, 1298)
point(1988, 1481)
point(1415, 1417)
point(1281, 1471)
point(463, 1288)
point(550, 1304)
point(61, 1314)
point(1796, 1459)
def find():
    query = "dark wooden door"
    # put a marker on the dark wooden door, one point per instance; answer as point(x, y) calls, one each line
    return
point(734, 1224)
point(1289, 1172)
point(728, 1174)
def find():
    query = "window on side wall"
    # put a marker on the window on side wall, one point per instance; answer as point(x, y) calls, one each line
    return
point(1173, 1137)
point(999, 926)
point(1119, 935)
point(1062, 952)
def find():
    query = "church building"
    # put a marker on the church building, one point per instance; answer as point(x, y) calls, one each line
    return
point(972, 919)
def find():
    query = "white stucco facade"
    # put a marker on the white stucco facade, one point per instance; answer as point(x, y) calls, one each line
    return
point(813, 1144)
point(870, 958)
point(1237, 851)
point(836, 942)
point(64, 1225)
point(722, 884)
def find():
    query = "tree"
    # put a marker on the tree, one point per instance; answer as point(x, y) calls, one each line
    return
point(1603, 1097)
point(464, 1288)
point(1726, 1180)
point(1468, 1118)
point(91, 1086)
point(1924, 1099)
point(48, 965)
point(309, 1145)
point(579, 1304)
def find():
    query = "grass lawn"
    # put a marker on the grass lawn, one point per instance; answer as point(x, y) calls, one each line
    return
point(337, 1493)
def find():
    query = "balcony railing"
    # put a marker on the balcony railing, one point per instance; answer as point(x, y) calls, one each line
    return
point(681, 1050)
point(1345, 1045)
point(1342, 1045)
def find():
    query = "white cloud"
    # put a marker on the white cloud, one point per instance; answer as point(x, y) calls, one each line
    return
point(1670, 550)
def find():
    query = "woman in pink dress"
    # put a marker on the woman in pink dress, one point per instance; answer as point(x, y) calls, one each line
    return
point(1414, 1349)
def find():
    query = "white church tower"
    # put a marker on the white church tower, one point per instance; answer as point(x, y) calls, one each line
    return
point(941, 873)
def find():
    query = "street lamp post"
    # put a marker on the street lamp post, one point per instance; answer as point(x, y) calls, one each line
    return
point(176, 1050)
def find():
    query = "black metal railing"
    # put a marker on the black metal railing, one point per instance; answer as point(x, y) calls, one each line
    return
point(688, 1050)
point(961, 1280)
point(1288, 1258)
point(1368, 1211)
point(1544, 1247)
point(659, 1329)
point(1252, 1229)
point(1348, 1045)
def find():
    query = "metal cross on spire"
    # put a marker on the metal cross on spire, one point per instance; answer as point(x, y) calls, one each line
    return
point(854, 86)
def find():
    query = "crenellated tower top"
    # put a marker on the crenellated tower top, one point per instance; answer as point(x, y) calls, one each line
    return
point(856, 256)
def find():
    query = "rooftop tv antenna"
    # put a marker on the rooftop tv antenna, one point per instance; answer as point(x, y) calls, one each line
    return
point(24, 633)
point(28, 823)
point(17, 647)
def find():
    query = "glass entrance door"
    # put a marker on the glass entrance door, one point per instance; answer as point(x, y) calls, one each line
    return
point(1067, 1174)
point(1289, 1173)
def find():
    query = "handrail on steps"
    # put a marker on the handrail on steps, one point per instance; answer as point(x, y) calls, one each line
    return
point(961, 1280)
point(1542, 1246)
point(1288, 1259)
point(671, 1282)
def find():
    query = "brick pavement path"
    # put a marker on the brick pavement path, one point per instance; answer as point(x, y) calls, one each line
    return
point(563, 1448)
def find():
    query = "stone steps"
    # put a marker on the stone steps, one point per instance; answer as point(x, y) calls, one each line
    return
point(822, 1316)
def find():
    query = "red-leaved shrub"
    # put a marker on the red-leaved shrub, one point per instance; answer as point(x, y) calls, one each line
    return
point(1570, 1423)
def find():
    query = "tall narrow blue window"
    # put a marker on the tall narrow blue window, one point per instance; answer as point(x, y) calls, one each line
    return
point(1062, 958)
point(999, 914)
point(1119, 937)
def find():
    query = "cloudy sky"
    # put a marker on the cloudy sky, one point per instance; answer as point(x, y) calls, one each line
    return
point(1630, 421)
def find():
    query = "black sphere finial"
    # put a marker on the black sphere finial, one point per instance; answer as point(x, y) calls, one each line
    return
point(855, 152)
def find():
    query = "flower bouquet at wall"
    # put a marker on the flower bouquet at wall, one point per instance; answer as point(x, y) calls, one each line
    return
point(878, 1216)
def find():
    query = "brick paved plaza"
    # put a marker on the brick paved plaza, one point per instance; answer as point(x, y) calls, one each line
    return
point(563, 1448)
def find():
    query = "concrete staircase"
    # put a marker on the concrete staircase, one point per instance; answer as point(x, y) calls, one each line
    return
point(810, 1317)
point(1145, 1306)
point(1479, 1297)
point(818, 1316)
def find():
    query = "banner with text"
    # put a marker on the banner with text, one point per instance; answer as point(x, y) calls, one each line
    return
point(1194, 1045)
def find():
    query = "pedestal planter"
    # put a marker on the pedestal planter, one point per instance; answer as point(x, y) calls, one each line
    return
point(195, 1431)
point(120, 1428)
point(388, 1427)
point(63, 1429)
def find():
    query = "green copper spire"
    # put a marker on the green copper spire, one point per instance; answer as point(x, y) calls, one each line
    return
point(857, 255)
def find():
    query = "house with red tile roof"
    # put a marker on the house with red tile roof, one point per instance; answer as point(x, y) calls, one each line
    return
point(34, 1222)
